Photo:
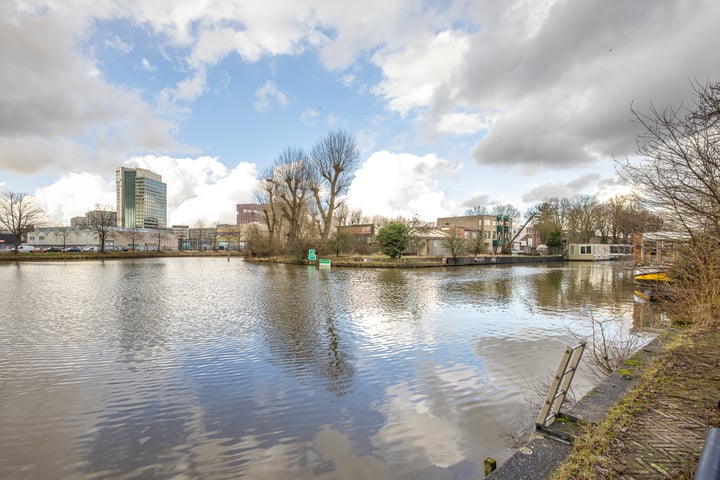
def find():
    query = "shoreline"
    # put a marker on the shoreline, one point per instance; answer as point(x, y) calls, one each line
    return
point(650, 415)
point(11, 257)
point(341, 262)
point(415, 262)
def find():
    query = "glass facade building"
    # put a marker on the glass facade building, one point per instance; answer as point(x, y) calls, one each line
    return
point(141, 199)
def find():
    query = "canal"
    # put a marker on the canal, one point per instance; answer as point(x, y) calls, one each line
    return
point(208, 368)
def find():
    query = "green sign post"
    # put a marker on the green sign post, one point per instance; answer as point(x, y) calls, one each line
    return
point(311, 255)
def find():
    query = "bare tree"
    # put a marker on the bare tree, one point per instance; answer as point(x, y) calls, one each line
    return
point(583, 218)
point(266, 194)
point(679, 176)
point(549, 218)
point(64, 232)
point(19, 214)
point(477, 210)
point(342, 212)
point(332, 163)
point(506, 210)
point(609, 344)
point(102, 221)
point(356, 216)
point(160, 234)
point(291, 181)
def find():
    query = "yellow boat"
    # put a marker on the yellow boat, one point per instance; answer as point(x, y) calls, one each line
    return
point(652, 277)
point(652, 283)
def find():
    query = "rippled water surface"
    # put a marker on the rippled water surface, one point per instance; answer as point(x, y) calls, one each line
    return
point(204, 368)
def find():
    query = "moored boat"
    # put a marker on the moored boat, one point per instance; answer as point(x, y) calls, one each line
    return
point(652, 282)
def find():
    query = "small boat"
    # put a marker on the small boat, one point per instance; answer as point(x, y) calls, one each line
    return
point(652, 282)
point(652, 276)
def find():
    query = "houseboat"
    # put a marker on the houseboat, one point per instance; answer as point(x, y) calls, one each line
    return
point(588, 252)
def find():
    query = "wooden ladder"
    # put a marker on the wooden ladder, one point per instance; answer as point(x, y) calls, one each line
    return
point(560, 386)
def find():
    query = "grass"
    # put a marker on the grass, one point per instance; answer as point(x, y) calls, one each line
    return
point(686, 370)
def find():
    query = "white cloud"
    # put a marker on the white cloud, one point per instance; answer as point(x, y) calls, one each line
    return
point(462, 123)
point(57, 113)
point(308, 117)
point(413, 75)
point(268, 94)
point(74, 194)
point(117, 44)
point(348, 80)
point(563, 78)
point(201, 189)
point(401, 184)
point(147, 66)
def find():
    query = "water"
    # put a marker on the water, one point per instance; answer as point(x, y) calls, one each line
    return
point(204, 368)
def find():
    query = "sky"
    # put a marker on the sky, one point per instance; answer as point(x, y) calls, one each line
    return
point(453, 104)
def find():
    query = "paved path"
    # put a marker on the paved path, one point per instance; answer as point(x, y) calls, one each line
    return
point(665, 440)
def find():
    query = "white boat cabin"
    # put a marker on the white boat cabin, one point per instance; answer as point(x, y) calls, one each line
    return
point(591, 252)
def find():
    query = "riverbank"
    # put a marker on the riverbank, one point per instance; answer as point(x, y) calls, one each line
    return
point(649, 419)
point(376, 261)
point(10, 257)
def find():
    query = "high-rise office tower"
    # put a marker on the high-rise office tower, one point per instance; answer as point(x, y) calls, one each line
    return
point(141, 199)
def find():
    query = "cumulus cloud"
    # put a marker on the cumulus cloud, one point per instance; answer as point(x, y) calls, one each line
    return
point(479, 200)
point(117, 44)
point(539, 86)
point(74, 194)
point(461, 123)
point(57, 113)
point(564, 83)
point(412, 76)
point(585, 184)
point(268, 94)
point(146, 65)
point(401, 184)
point(201, 189)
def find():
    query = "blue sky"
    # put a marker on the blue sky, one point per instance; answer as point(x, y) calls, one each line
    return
point(452, 103)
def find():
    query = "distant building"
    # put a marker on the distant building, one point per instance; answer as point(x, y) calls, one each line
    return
point(361, 237)
point(136, 239)
point(202, 238)
point(79, 221)
point(141, 199)
point(491, 231)
point(183, 236)
point(248, 213)
point(95, 217)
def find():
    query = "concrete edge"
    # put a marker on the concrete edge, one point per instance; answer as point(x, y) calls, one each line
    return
point(542, 455)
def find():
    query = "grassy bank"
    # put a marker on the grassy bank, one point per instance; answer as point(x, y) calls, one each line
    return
point(359, 261)
point(684, 377)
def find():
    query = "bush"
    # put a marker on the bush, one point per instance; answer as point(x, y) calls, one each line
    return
point(393, 239)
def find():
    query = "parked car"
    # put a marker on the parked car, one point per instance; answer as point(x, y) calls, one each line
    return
point(90, 248)
point(52, 249)
point(26, 248)
point(72, 249)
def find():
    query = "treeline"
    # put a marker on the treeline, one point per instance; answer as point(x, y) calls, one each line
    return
point(584, 219)
point(303, 193)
